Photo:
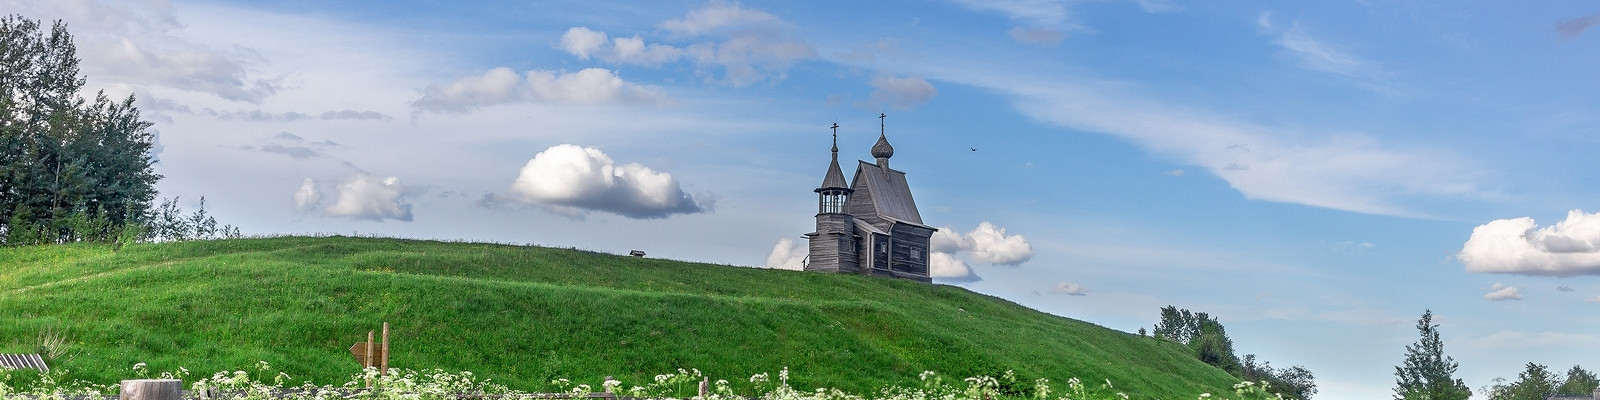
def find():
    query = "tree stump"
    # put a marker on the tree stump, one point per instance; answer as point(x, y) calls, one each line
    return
point(151, 389)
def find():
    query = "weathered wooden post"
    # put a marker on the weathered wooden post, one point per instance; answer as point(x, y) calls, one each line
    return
point(384, 371)
point(705, 386)
point(151, 389)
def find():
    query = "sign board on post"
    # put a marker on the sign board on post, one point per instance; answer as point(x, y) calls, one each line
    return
point(372, 354)
point(360, 351)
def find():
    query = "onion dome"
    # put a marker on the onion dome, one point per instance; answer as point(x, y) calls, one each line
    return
point(882, 149)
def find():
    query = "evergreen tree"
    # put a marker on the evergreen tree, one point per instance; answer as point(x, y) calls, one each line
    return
point(70, 170)
point(1427, 373)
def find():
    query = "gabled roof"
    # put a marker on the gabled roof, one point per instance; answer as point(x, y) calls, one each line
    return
point(891, 196)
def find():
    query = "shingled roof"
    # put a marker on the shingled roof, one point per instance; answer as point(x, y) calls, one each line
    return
point(835, 177)
point(890, 193)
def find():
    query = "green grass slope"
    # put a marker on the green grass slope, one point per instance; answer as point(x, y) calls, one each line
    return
point(525, 315)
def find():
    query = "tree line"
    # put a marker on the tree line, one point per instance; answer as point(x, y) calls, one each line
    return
point(74, 170)
point(1209, 341)
point(1427, 374)
point(1537, 382)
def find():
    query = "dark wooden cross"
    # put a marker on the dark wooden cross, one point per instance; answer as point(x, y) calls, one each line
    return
point(836, 137)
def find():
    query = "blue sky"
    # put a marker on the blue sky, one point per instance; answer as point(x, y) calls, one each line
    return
point(1316, 174)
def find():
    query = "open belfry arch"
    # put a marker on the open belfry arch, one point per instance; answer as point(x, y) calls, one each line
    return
point(869, 225)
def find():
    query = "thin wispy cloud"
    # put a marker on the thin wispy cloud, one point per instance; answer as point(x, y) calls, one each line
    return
point(900, 93)
point(1048, 22)
point(138, 45)
point(1575, 27)
point(293, 146)
point(717, 15)
point(1523, 339)
point(590, 86)
point(1045, 22)
point(1070, 289)
point(348, 114)
point(748, 46)
point(1500, 292)
point(1047, 13)
point(1039, 36)
point(1318, 55)
point(1343, 172)
point(1354, 317)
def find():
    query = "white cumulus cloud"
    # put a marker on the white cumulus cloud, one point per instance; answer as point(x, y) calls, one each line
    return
point(307, 197)
point(986, 244)
point(1502, 292)
point(590, 86)
point(367, 196)
point(583, 42)
point(572, 180)
point(1070, 289)
point(990, 244)
point(899, 93)
point(946, 266)
point(1519, 246)
point(787, 254)
point(586, 43)
point(948, 240)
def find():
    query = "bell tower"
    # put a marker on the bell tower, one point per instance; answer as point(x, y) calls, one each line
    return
point(833, 245)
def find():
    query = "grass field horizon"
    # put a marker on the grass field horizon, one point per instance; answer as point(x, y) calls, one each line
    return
point(523, 315)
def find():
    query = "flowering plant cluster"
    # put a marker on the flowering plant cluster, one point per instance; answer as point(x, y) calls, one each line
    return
point(405, 384)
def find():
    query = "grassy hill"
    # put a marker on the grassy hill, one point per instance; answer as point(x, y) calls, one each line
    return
point(525, 315)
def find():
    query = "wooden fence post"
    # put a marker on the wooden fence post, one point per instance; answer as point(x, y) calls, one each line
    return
point(705, 386)
point(151, 389)
point(385, 369)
